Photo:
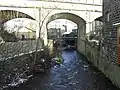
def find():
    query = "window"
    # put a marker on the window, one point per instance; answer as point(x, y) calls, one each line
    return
point(107, 16)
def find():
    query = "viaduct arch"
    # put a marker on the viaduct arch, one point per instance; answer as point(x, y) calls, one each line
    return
point(81, 24)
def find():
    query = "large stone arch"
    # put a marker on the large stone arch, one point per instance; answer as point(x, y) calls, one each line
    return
point(65, 15)
point(6, 15)
point(81, 23)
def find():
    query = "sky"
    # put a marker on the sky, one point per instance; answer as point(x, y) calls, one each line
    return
point(10, 25)
point(70, 25)
point(7, 1)
point(13, 25)
point(81, 1)
point(60, 22)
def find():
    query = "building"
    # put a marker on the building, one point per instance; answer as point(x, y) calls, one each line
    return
point(111, 14)
point(54, 33)
point(111, 40)
point(28, 33)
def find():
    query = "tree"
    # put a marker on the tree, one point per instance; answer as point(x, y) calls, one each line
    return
point(40, 28)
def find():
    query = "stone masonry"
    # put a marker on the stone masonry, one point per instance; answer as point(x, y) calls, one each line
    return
point(111, 13)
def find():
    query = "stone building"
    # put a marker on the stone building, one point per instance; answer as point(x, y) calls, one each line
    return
point(110, 63)
point(111, 14)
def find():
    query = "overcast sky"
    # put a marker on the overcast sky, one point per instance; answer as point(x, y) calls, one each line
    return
point(60, 22)
point(81, 1)
point(70, 25)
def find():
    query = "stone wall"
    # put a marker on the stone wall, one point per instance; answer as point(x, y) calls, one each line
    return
point(111, 14)
point(108, 61)
point(105, 56)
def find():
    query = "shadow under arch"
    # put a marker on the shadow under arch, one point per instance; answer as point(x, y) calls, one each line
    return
point(81, 24)
point(6, 15)
point(69, 16)
point(99, 19)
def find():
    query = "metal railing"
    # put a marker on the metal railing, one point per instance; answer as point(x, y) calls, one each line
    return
point(12, 49)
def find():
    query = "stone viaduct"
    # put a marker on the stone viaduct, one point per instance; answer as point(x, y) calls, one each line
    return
point(43, 12)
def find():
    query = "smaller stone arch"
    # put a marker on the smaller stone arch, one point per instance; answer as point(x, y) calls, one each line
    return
point(99, 19)
point(98, 22)
point(95, 34)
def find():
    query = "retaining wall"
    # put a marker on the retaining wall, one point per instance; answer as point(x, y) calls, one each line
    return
point(98, 56)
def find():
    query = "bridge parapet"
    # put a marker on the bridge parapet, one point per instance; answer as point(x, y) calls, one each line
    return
point(52, 4)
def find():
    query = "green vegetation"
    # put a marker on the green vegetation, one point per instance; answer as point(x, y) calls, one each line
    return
point(6, 36)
